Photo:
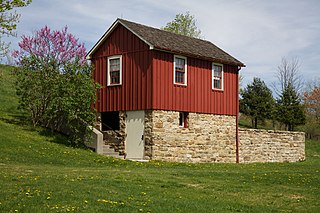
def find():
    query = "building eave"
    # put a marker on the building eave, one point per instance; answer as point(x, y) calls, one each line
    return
point(108, 32)
point(239, 64)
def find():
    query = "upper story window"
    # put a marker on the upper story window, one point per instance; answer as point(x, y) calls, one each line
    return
point(114, 70)
point(217, 76)
point(180, 70)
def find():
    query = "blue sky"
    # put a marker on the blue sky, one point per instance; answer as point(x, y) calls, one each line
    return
point(258, 33)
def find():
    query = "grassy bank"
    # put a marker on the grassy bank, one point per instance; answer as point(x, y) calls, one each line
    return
point(38, 173)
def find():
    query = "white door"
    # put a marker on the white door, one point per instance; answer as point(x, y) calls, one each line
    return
point(135, 139)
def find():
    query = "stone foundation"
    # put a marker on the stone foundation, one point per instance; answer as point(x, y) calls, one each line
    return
point(208, 138)
point(270, 146)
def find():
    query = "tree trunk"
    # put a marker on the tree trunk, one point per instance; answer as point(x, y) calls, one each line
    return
point(256, 123)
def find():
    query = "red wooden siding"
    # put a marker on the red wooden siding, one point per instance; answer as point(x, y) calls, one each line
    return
point(147, 80)
point(198, 95)
point(135, 91)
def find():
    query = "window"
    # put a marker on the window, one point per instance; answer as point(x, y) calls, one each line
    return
point(180, 70)
point(114, 70)
point(217, 76)
point(110, 120)
point(183, 119)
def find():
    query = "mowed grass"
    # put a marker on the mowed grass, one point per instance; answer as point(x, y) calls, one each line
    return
point(38, 173)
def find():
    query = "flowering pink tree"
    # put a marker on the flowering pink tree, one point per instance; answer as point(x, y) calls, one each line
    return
point(55, 84)
point(51, 46)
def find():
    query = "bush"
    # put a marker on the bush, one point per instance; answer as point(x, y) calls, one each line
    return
point(54, 82)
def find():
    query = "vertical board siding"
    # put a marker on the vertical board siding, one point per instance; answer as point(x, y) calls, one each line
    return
point(147, 80)
point(198, 95)
point(134, 93)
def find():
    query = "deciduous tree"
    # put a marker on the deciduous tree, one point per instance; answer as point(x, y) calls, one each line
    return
point(55, 84)
point(288, 73)
point(184, 24)
point(312, 109)
point(9, 20)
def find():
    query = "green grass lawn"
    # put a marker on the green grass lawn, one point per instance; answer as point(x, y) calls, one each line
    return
point(38, 173)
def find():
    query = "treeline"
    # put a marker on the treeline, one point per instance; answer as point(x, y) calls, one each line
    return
point(291, 110)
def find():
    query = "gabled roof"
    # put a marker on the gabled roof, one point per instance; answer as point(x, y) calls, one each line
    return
point(171, 42)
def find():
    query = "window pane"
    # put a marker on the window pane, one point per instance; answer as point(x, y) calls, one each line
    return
point(217, 67)
point(180, 77)
point(115, 77)
point(179, 63)
point(114, 64)
point(181, 119)
point(217, 83)
point(217, 71)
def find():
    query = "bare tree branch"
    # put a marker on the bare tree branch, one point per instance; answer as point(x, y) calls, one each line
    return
point(288, 72)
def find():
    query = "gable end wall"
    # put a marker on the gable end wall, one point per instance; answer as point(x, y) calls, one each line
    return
point(135, 91)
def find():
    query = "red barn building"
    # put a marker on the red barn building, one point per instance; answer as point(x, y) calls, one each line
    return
point(165, 96)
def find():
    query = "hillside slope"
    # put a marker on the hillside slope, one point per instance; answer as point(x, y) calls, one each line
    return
point(38, 173)
point(23, 143)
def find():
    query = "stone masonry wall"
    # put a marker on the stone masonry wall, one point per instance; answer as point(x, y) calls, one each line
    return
point(270, 146)
point(148, 134)
point(209, 138)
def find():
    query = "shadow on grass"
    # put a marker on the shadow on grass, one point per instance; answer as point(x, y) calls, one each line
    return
point(54, 136)
point(59, 138)
point(17, 119)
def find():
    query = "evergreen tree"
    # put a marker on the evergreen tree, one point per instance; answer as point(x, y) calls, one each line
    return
point(257, 101)
point(290, 111)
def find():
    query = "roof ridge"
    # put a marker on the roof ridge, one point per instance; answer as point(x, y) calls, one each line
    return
point(163, 40)
point(159, 29)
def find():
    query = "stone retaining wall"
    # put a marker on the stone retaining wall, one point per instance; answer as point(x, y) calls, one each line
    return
point(209, 138)
point(270, 146)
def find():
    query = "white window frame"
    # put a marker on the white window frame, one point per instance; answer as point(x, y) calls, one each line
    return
point(108, 72)
point(185, 70)
point(214, 78)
